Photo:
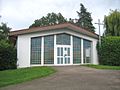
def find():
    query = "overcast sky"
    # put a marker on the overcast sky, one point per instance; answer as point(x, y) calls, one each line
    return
point(19, 14)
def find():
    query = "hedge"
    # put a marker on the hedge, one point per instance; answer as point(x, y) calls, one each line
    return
point(8, 56)
point(109, 51)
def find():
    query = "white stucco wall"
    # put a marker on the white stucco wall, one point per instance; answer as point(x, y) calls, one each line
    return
point(23, 45)
point(94, 54)
point(23, 51)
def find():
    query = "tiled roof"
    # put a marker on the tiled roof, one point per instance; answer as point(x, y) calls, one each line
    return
point(54, 27)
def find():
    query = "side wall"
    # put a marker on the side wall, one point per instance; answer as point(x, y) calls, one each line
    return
point(23, 51)
point(24, 43)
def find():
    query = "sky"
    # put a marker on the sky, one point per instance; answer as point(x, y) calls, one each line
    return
point(20, 14)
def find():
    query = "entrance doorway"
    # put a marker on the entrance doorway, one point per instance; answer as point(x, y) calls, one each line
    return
point(63, 54)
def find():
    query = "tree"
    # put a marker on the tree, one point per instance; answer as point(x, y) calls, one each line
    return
point(50, 19)
point(112, 23)
point(85, 19)
point(8, 55)
point(71, 20)
point(4, 30)
point(109, 51)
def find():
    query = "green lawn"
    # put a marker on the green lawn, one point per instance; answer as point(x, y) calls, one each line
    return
point(9, 77)
point(103, 67)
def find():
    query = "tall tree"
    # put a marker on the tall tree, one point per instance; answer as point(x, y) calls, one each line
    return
point(112, 23)
point(50, 19)
point(4, 30)
point(85, 19)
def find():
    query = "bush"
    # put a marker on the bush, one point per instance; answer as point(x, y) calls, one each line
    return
point(109, 51)
point(8, 56)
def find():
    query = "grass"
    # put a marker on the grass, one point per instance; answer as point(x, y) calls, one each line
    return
point(103, 67)
point(9, 77)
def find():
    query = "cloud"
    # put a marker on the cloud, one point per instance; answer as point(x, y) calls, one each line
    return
point(22, 13)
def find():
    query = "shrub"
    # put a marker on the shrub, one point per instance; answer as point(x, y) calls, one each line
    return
point(8, 57)
point(109, 51)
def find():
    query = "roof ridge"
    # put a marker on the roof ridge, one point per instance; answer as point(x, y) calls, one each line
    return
point(52, 27)
point(48, 25)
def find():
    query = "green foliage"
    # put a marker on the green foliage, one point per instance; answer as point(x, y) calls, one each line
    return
point(4, 30)
point(103, 67)
point(9, 77)
point(112, 24)
point(109, 51)
point(8, 56)
point(71, 20)
point(50, 19)
point(85, 19)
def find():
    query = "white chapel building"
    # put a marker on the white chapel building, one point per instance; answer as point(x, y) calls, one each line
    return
point(56, 45)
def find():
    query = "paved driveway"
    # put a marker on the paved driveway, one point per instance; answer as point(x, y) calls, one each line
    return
point(73, 78)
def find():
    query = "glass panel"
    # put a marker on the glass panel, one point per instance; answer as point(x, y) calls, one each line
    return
point(68, 60)
point(58, 51)
point(61, 51)
point(87, 51)
point(76, 50)
point(68, 51)
point(63, 39)
point(65, 60)
point(65, 49)
point(61, 60)
point(58, 60)
point(35, 50)
point(49, 49)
